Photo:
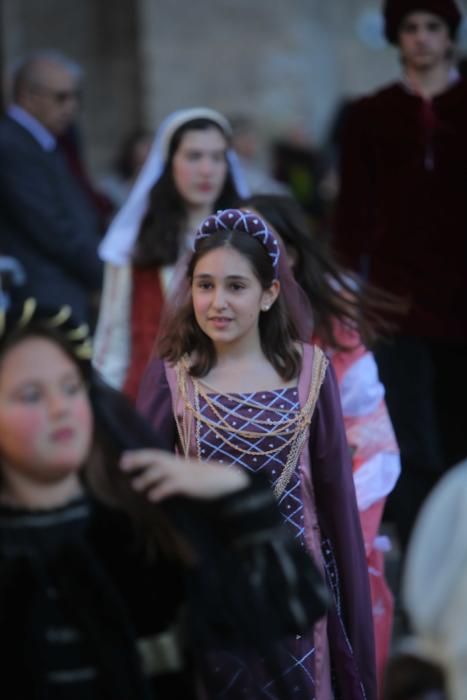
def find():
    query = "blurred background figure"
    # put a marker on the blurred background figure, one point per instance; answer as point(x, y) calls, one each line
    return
point(128, 162)
point(47, 221)
point(70, 145)
point(299, 165)
point(410, 676)
point(342, 315)
point(329, 184)
point(402, 222)
point(247, 142)
point(189, 173)
point(434, 658)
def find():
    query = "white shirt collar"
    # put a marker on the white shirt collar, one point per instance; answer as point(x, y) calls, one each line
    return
point(42, 135)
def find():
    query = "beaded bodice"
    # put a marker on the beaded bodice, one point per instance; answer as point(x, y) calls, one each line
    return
point(264, 432)
point(260, 413)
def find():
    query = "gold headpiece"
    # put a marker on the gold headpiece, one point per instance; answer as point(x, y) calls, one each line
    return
point(61, 317)
point(79, 336)
point(29, 309)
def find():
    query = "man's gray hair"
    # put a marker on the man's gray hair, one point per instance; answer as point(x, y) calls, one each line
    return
point(22, 73)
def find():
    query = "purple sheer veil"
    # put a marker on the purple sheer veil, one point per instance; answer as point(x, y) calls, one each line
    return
point(296, 301)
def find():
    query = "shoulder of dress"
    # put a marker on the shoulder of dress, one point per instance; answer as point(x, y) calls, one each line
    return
point(313, 351)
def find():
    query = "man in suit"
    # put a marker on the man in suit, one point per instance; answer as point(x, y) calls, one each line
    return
point(46, 219)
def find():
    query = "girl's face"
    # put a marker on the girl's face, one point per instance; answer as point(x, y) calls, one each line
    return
point(424, 40)
point(199, 166)
point(46, 420)
point(228, 298)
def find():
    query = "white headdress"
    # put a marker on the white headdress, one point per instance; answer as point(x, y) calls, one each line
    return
point(435, 581)
point(118, 242)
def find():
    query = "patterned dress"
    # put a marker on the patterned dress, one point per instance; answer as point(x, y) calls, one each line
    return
point(264, 432)
point(312, 481)
point(257, 412)
point(230, 674)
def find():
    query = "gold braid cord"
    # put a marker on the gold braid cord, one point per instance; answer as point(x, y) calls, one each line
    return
point(318, 372)
point(293, 431)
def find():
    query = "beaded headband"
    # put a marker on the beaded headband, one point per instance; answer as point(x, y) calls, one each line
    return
point(245, 221)
point(29, 313)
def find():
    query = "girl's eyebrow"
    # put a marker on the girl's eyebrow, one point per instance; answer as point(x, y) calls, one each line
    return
point(200, 151)
point(206, 275)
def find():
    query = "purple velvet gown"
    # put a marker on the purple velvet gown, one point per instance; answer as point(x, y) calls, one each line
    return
point(319, 506)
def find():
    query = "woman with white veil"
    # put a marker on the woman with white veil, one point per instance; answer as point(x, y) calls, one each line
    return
point(190, 172)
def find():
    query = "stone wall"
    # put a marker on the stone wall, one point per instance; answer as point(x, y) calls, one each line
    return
point(284, 62)
point(104, 42)
point(287, 63)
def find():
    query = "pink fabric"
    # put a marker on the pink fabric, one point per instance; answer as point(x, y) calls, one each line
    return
point(381, 597)
point(369, 433)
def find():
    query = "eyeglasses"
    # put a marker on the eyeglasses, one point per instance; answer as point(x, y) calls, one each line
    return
point(60, 96)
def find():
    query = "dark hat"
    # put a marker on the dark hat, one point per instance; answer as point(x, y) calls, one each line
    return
point(24, 317)
point(395, 11)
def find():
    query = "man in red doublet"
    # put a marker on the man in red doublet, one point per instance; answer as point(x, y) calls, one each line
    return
point(402, 223)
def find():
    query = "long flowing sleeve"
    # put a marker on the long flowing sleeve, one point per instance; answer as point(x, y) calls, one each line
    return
point(340, 527)
point(154, 402)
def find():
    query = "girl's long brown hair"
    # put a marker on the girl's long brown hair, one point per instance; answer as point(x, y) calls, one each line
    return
point(335, 294)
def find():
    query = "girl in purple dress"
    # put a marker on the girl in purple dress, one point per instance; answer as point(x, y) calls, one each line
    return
point(235, 381)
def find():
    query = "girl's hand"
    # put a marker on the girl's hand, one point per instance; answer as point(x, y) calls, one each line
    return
point(161, 474)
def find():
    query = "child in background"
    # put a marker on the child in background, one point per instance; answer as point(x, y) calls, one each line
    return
point(94, 571)
point(345, 322)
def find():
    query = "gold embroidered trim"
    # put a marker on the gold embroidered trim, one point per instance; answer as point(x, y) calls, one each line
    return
point(29, 307)
point(318, 372)
point(293, 431)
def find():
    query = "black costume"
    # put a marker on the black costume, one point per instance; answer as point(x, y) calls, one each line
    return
point(121, 601)
point(78, 596)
